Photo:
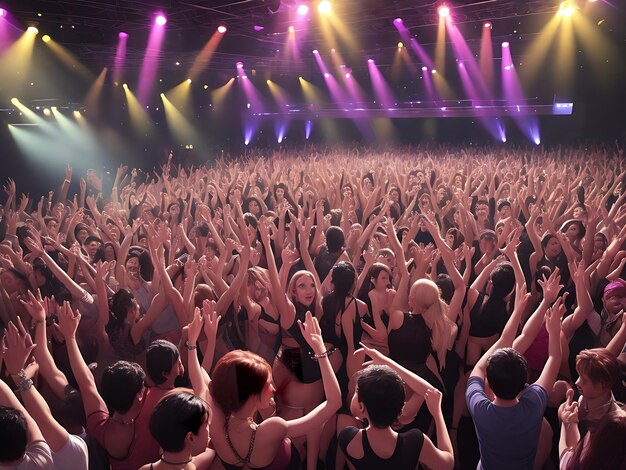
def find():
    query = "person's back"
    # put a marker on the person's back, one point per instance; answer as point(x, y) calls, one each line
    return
point(507, 435)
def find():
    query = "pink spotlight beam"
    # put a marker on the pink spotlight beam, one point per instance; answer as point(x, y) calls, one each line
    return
point(151, 60)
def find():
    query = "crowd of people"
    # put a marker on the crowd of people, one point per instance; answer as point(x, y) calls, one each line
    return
point(421, 307)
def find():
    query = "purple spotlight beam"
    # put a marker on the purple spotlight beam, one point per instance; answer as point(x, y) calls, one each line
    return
point(151, 60)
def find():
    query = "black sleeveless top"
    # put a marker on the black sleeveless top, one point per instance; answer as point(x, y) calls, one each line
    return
point(405, 456)
point(300, 360)
point(411, 344)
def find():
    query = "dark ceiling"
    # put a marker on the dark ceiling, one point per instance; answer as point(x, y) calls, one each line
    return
point(89, 28)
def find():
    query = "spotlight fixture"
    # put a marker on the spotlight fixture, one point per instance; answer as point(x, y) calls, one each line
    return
point(160, 20)
point(222, 28)
point(397, 21)
point(326, 74)
point(433, 71)
point(487, 25)
point(3, 12)
point(566, 9)
point(370, 61)
point(505, 44)
point(46, 38)
point(324, 7)
point(291, 29)
point(122, 35)
point(302, 9)
point(443, 11)
point(315, 51)
point(424, 68)
point(32, 30)
point(400, 45)
point(239, 65)
point(188, 80)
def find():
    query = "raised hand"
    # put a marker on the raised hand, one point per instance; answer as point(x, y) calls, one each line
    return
point(68, 322)
point(195, 327)
point(376, 357)
point(211, 320)
point(312, 333)
point(34, 307)
point(432, 397)
point(551, 286)
point(17, 347)
point(289, 255)
point(568, 411)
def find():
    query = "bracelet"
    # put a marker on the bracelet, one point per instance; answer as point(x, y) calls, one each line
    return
point(188, 347)
point(25, 383)
point(327, 353)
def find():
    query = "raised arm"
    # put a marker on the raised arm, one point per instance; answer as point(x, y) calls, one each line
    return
point(20, 345)
point(68, 323)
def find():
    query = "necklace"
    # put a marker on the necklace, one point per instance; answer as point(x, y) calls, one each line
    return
point(121, 421)
point(175, 463)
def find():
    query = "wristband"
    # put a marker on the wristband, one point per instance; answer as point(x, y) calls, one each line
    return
point(188, 347)
point(327, 353)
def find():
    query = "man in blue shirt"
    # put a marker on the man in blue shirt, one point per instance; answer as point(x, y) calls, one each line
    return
point(507, 414)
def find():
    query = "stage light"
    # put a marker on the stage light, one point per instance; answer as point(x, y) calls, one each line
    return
point(505, 44)
point(348, 75)
point(326, 74)
point(206, 87)
point(160, 20)
point(397, 21)
point(566, 9)
point(189, 80)
point(324, 7)
point(46, 38)
point(239, 65)
point(370, 61)
point(122, 35)
point(315, 51)
point(444, 11)
point(291, 29)
point(244, 77)
point(32, 30)
point(15, 101)
point(3, 12)
point(537, 140)
point(424, 68)
point(76, 114)
point(47, 112)
point(400, 45)
point(433, 71)
point(487, 25)
point(222, 29)
point(124, 85)
point(302, 10)
point(258, 28)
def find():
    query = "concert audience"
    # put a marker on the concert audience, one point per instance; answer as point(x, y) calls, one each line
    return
point(331, 309)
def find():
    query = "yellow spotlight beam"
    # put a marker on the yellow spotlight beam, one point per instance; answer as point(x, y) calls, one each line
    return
point(28, 113)
point(139, 118)
point(312, 94)
point(565, 57)
point(69, 60)
point(537, 51)
point(328, 32)
point(205, 55)
point(92, 99)
point(182, 130)
point(279, 93)
point(219, 94)
point(440, 47)
point(15, 63)
point(442, 86)
point(180, 95)
point(342, 31)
